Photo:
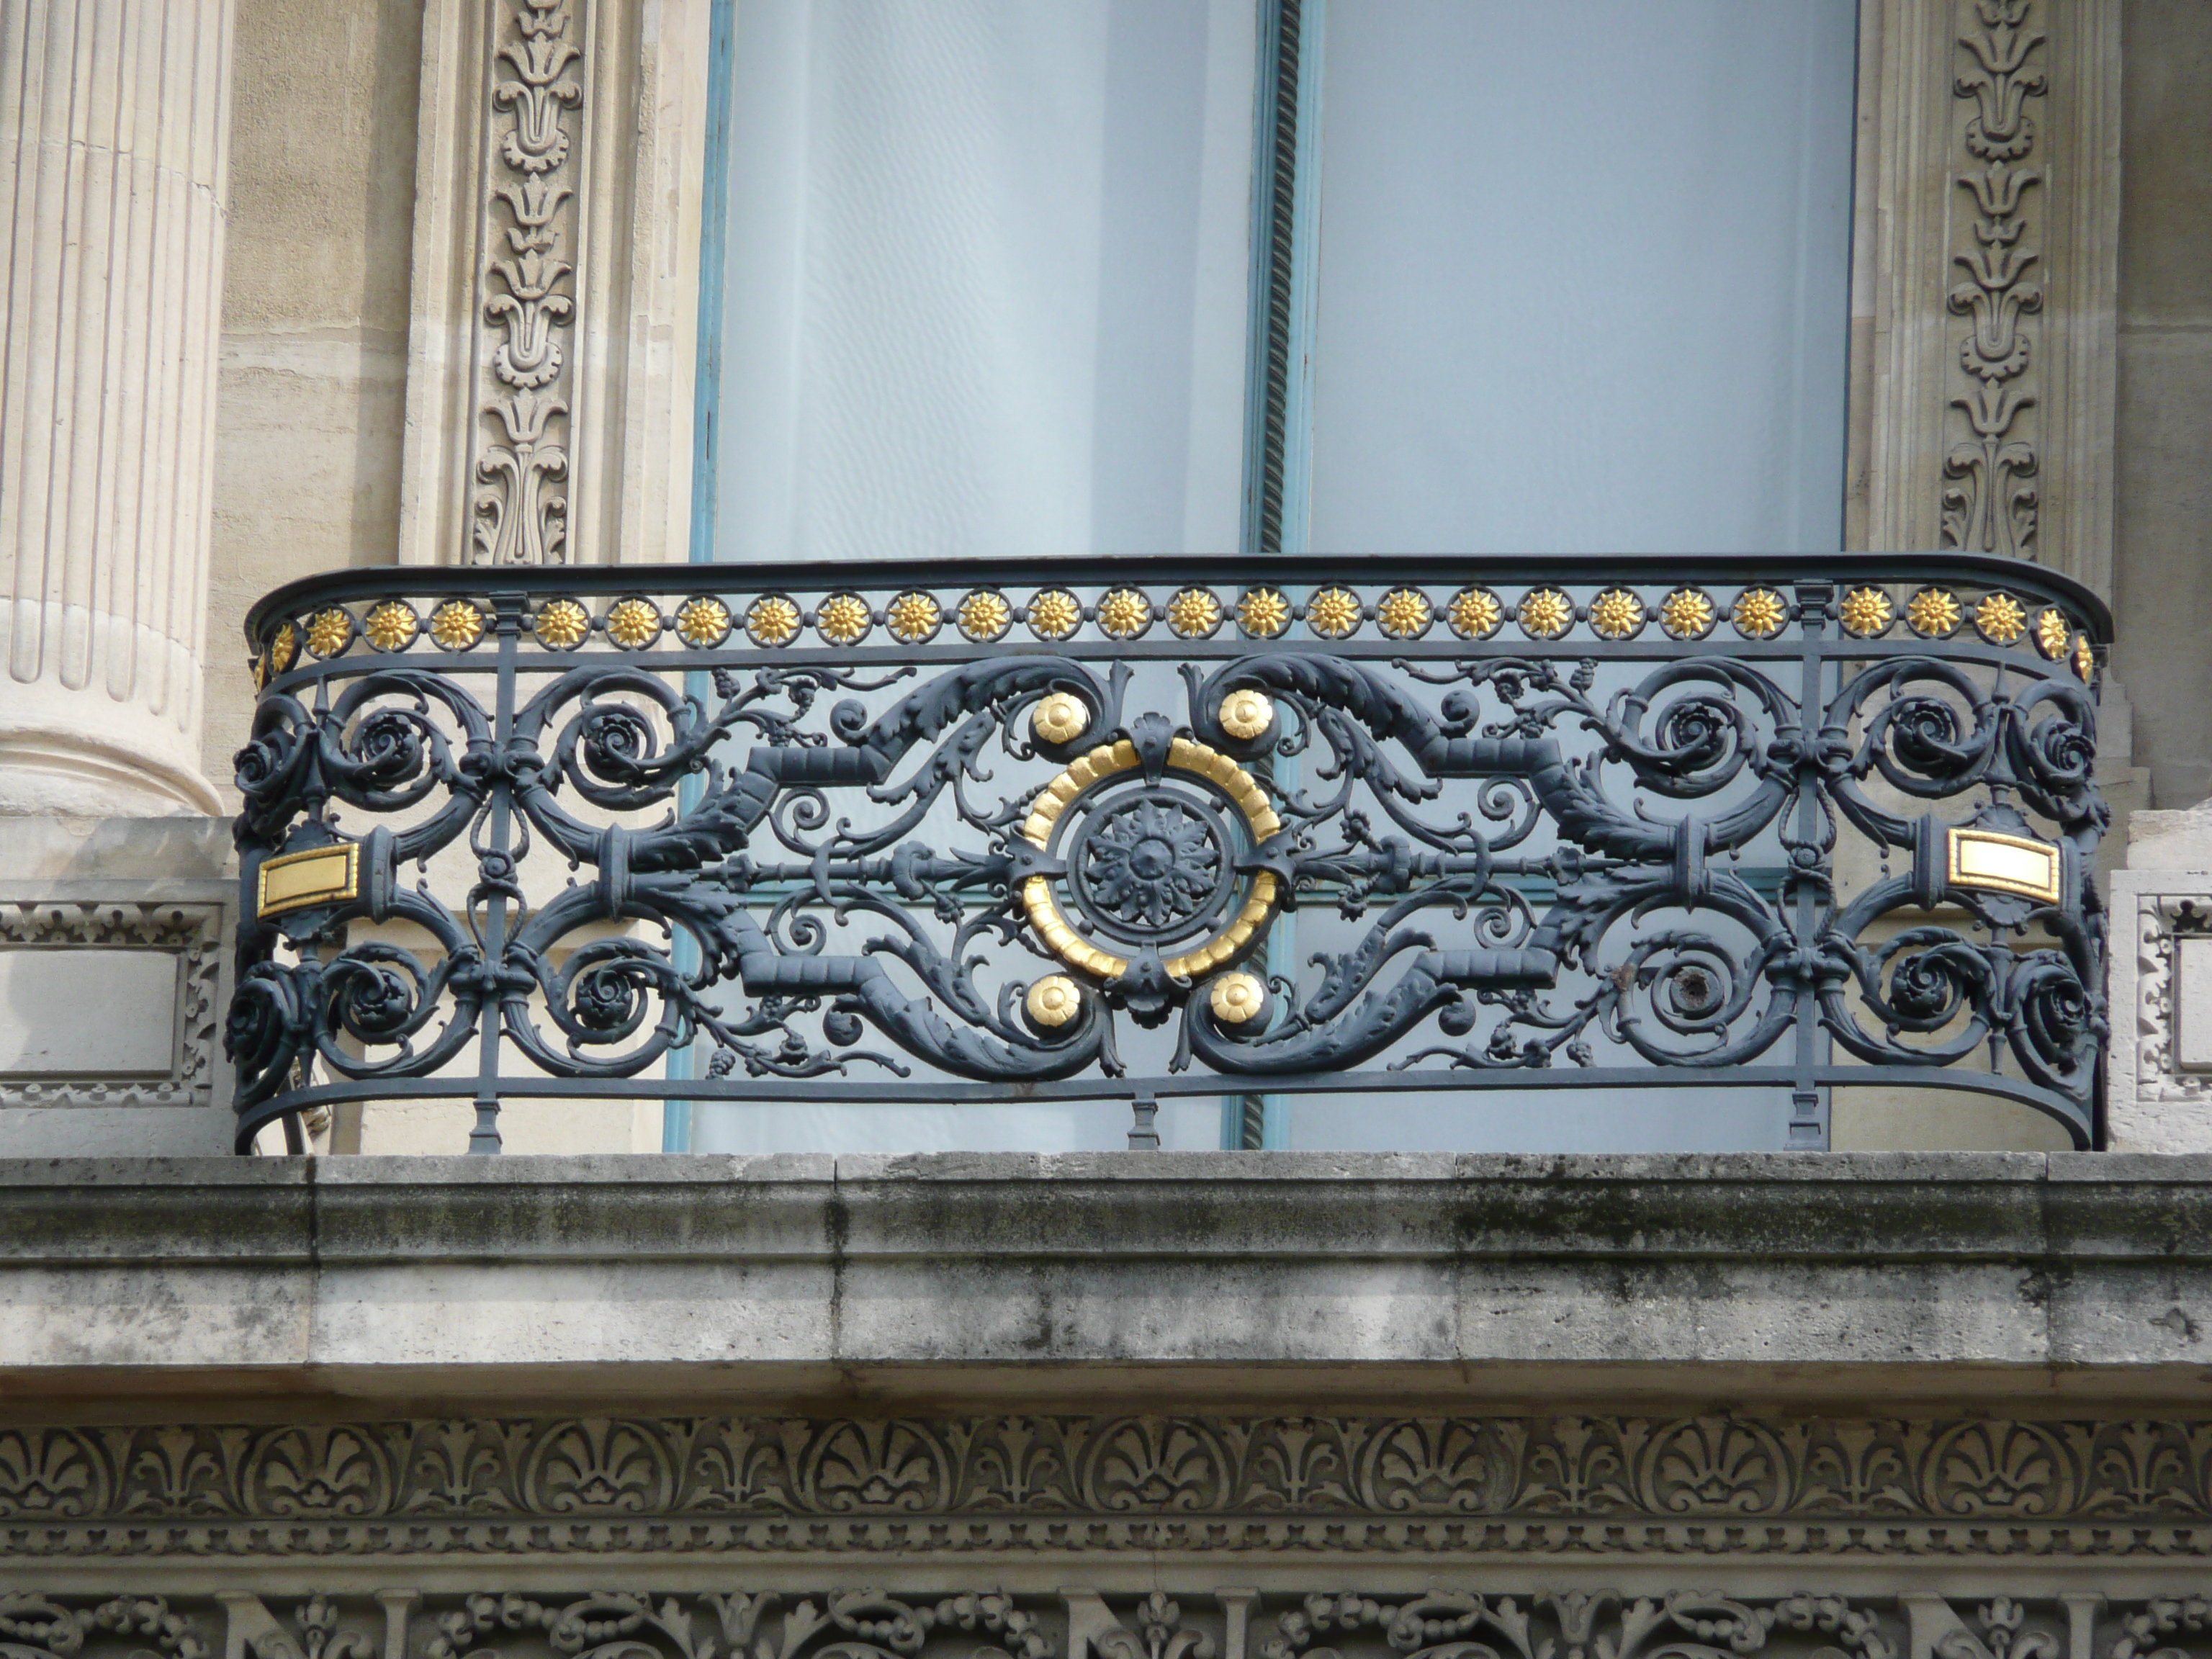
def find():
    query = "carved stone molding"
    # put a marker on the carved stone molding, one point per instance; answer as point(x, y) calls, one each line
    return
point(555, 288)
point(2152, 1104)
point(192, 932)
point(975, 1616)
point(524, 327)
point(1583, 1487)
point(1986, 280)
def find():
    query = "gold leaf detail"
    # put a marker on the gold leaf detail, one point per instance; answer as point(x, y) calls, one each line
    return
point(331, 632)
point(456, 625)
point(1059, 718)
point(983, 616)
point(1245, 713)
point(704, 622)
point(284, 646)
point(2085, 659)
point(843, 619)
point(391, 626)
point(634, 623)
point(1263, 612)
point(563, 624)
point(2000, 618)
point(1759, 613)
point(771, 619)
point(1055, 613)
point(1687, 614)
point(1867, 612)
point(1546, 613)
point(1475, 613)
point(1616, 614)
point(1124, 613)
point(912, 617)
point(1404, 613)
point(1193, 613)
point(1053, 1001)
point(1333, 614)
point(1236, 998)
point(1934, 611)
point(2053, 633)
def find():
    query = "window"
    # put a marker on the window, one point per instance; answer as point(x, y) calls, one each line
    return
point(1096, 277)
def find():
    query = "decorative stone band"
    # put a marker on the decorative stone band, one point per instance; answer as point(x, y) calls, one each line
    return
point(1021, 1488)
point(979, 1614)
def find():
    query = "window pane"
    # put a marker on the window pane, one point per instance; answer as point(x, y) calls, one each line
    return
point(1584, 280)
point(987, 277)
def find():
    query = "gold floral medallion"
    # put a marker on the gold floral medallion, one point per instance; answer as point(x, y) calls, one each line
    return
point(1194, 614)
point(1333, 613)
point(1475, 613)
point(914, 617)
point(1055, 613)
point(1404, 613)
point(2085, 659)
point(284, 646)
point(1263, 612)
point(634, 623)
point(391, 625)
point(1059, 718)
point(1867, 612)
point(1934, 612)
point(1759, 613)
point(704, 622)
point(1246, 713)
point(2001, 619)
point(771, 619)
point(561, 624)
point(456, 625)
point(2053, 633)
point(1546, 613)
point(1687, 614)
point(331, 631)
point(844, 619)
point(1236, 998)
point(1053, 1001)
point(984, 616)
point(1124, 614)
point(1616, 614)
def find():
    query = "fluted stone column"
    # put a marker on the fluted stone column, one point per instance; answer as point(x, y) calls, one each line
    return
point(115, 117)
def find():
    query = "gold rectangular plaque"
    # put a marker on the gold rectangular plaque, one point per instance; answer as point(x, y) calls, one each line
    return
point(2005, 864)
point(321, 875)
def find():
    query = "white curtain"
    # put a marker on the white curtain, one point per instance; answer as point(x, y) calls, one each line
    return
point(1585, 276)
point(987, 277)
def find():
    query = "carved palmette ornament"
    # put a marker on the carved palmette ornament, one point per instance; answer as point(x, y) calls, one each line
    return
point(526, 324)
point(1989, 492)
point(1380, 1485)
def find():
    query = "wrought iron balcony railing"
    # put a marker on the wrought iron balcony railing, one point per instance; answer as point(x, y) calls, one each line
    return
point(1045, 831)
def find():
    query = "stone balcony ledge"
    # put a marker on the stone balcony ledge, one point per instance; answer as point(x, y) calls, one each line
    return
point(1220, 1279)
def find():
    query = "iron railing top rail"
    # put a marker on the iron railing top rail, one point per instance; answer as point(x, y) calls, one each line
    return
point(1031, 830)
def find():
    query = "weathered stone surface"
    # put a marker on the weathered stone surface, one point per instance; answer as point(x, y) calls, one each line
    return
point(1252, 1276)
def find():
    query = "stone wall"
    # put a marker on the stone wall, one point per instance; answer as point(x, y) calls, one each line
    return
point(309, 416)
point(2162, 596)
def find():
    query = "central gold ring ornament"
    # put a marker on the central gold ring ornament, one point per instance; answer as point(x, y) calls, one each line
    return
point(1109, 760)
point(1059, 718)
point(1245, 713)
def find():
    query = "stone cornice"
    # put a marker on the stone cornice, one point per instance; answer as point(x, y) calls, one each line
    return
point(1254, 1278)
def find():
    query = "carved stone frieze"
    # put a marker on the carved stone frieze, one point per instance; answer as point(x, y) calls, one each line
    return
point(2160, 918)
point(192, 932)
point(1963, 1488)
point(526, 324)
point(1467, 1617)
point(1990, 498)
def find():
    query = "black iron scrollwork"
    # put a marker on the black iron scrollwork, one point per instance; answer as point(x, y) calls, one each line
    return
point(951, 848)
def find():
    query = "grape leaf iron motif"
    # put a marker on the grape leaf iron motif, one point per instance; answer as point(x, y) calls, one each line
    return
point(982, 865)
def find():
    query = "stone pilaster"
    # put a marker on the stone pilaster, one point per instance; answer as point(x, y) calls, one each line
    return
point(113, 124)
